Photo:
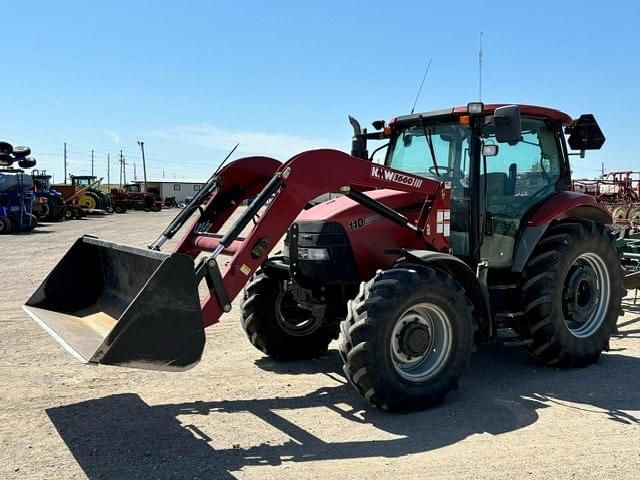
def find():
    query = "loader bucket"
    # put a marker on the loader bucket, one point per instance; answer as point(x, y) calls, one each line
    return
point(120, 305)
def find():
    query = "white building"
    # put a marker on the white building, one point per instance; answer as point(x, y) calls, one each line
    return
point(179, 189)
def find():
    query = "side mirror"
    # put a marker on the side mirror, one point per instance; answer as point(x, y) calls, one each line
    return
point(508, 124)
point(378, 124)
point(585, 134)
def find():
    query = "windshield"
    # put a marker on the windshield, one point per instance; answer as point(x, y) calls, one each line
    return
point(82, 182)
point(410, 151)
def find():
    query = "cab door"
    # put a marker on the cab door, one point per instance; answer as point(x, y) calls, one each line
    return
point(519, 177)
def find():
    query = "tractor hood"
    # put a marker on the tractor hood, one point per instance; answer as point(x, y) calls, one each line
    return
point(366, 234)
point(340, 208)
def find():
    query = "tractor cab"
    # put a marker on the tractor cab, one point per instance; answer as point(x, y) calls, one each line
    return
point(82, 181)
point(501, 162)
point(133, 188)
point(41, 180)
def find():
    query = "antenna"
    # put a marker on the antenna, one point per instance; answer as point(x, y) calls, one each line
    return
point(421, 84)
point(480, 57)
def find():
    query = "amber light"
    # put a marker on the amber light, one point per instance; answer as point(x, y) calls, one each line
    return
point(464, 120)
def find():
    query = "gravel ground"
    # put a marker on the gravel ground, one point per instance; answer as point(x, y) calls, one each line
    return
point(240, 415)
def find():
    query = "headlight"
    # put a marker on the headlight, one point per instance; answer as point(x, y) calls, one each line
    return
point(313, 253)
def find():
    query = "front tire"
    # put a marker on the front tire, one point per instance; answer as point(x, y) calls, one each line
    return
point(407, 338)
point(277, 327)
point(572, 288)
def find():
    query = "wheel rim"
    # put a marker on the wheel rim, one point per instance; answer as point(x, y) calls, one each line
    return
point(88, 202)
point(421, 342)
point(292, 318)
point(46, 211)
point(586, 295)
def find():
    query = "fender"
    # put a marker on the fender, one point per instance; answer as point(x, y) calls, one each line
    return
point(462, 273)
point(560, 206)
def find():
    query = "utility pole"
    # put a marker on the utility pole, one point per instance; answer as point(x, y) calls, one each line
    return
point(108, 171)
point(163, 174)
point(120, 160)
point(144, 165)
point(65, 163)
point(602, 170)
point(124, 168)
point(92, 163)
point(480, 58)
point(135, 175)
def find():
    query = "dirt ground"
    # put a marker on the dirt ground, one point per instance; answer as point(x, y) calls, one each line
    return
point(240, 415)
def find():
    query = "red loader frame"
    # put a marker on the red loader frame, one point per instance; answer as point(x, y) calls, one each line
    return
point(292, 185)
point(141, 308)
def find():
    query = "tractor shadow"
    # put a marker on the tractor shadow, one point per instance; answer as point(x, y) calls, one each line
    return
point(121, 436)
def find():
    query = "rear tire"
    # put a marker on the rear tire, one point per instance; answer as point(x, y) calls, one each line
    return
point(572, 288)
point(407, 338)
point(5, 225)
point(21, 151)
point(263, 300)
point(45, 211)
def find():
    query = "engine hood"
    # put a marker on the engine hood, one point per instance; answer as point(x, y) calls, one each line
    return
point(341, 207)
point(369, 234)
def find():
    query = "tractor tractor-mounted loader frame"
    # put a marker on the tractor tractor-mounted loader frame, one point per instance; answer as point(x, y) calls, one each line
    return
point(140, 307)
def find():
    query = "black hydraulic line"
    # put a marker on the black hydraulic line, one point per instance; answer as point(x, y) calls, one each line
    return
point(262, 198)
point(380, 208)
point(180, 219)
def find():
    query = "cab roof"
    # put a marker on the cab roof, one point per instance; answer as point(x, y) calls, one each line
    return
point(489, 109)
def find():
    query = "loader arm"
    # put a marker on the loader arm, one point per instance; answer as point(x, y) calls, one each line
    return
point(303, 178)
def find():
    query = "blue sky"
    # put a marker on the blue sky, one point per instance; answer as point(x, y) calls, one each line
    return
point(192, 78)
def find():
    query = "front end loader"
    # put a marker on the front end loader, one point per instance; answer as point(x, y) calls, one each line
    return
point(462, 235)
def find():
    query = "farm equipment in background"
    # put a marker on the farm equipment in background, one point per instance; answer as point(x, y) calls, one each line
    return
point(50, 206)
point(16, 201)
point(134, 197)
point(170, 202)
point(10, 154)
point(628, 245)
point(16, 189)
point(618, 192)
point(92, 197)
point(75, 192)
point(466, 234)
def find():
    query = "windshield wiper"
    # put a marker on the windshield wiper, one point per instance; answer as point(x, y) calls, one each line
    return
point(427, 137)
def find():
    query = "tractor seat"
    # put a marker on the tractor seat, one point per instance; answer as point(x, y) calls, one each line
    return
point(496, 183)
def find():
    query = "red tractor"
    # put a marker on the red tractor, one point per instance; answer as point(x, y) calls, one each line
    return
point(467, 233)
point(132, 196)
